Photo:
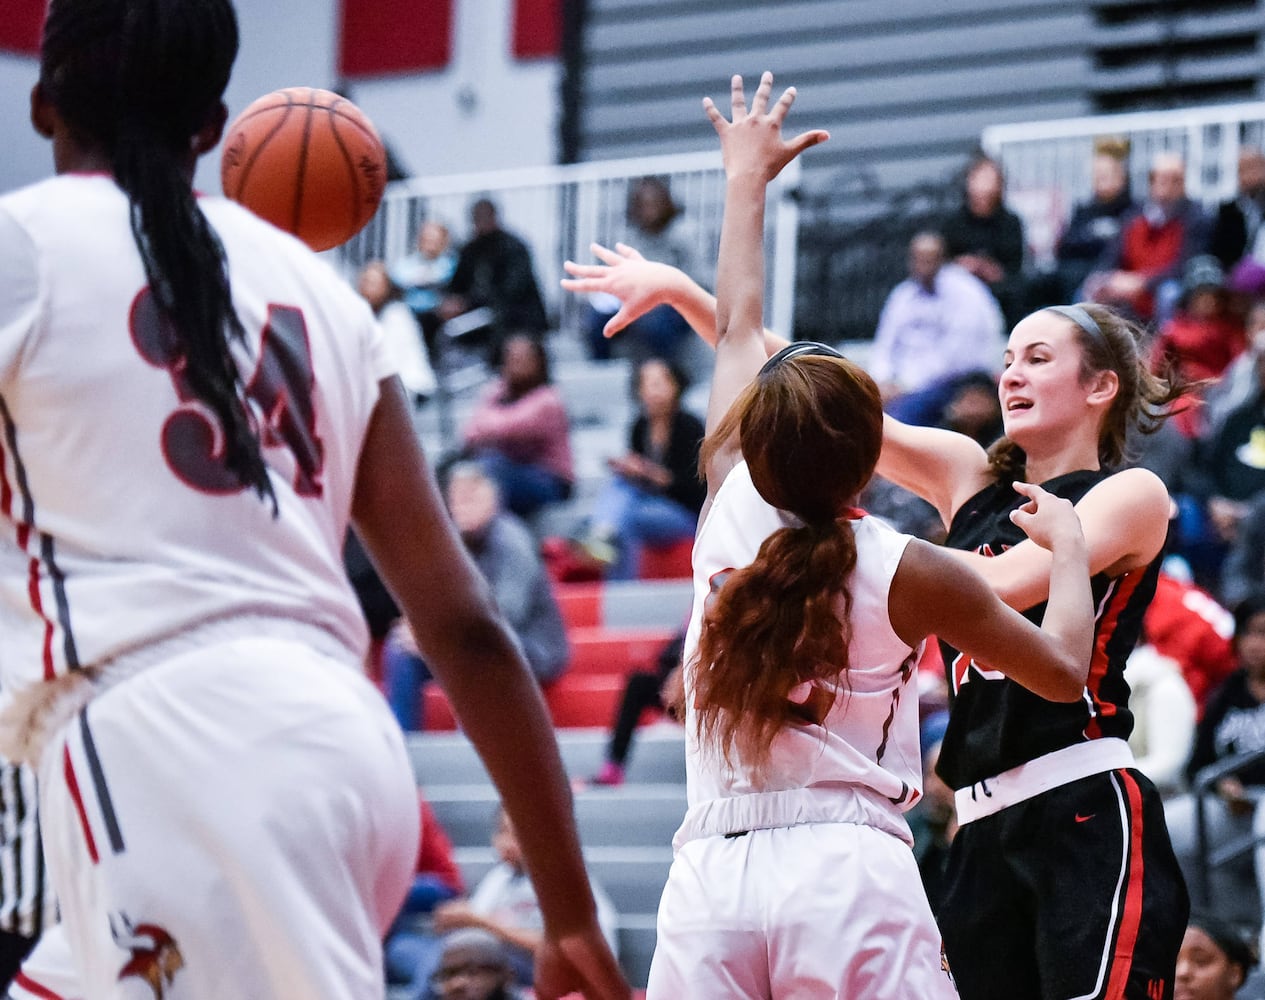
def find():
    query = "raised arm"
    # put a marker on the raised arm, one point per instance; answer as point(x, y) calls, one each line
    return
point(754, 153)
point(933, 593)
point(641, 285)
point(943, 467)
point(401, 520)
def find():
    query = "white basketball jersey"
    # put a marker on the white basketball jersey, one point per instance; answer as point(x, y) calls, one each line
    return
point(862, 764)
point(119, 523)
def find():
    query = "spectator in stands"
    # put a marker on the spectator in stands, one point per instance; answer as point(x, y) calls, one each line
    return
point(1240, 381)
point(1228, 472)
point(424, 276)
point(519, 432)
point(1234, 723)
point(1093, 227)
point(654, 494)
point(1236, 229)
point(643, 690)
point(1141, 270)
point(1188, 625)
point(504, 904)
point(1203, 336)
point(495, 271)
point(400, 330)
point(507, 556)
point(987, 238)
point(658, 231)
point(1214, 961)
point(474, 965)
point(1163, 717)
point(938, 324)
point(411, 951)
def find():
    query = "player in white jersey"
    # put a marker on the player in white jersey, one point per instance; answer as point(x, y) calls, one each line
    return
point(193, 407)
point(793, 874)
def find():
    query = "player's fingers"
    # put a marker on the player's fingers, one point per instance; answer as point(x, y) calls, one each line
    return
point(631, 253)
point(737, 97)
point(780, 109)
point(617, 322)
point(713, 112)
point(605, 254)
point(760, 103)
point(811, 138)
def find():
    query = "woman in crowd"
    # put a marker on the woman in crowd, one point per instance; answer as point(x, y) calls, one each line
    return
point(654, 494)
point(519, 432)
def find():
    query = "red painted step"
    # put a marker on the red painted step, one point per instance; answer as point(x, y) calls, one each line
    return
point(580, 604)
point(667, 562)
point(615, 650)
point(574, 702)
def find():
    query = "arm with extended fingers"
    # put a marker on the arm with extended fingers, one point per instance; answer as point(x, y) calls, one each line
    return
point(641, 285)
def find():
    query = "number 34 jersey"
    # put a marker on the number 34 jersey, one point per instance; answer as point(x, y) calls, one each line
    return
point(120, 524)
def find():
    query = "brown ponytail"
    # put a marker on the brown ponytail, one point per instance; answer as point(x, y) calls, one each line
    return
point(810, 431)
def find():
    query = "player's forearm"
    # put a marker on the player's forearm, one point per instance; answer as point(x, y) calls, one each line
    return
point(740, 264)
point(1069, 613)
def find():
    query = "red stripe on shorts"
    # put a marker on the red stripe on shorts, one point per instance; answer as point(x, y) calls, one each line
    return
point(72, 783)
point(1131, 910)
point(34, 988)
point(37, 604)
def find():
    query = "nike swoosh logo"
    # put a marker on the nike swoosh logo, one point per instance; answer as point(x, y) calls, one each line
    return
point(1084, 819)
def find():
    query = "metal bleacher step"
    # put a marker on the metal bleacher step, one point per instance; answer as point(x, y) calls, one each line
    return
point(645, 815)
point(658, 757)
point(633, 877)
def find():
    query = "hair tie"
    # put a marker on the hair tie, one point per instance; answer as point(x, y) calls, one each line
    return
point(799, 349)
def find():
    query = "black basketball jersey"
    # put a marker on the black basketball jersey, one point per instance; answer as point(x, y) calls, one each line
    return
point(997, 724)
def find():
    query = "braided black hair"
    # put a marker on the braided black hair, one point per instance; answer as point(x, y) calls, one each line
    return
point(137, 80)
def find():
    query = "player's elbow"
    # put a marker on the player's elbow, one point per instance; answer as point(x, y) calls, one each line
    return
point(1066, 682)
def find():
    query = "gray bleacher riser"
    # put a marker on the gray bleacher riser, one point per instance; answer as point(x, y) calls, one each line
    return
point(658, 756)
point(631, 816)
point(636, 947)
point(633, 877)
point(647, 603)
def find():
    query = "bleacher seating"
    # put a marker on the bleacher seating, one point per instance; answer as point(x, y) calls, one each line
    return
point(626, 832)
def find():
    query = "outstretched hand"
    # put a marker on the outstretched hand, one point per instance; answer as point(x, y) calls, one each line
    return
point(752, 142)
point(1046, 519)
point(639, 284)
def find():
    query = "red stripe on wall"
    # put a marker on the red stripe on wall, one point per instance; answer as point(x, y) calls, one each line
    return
point(537, 28)
point(379, 37)
point(20, 26)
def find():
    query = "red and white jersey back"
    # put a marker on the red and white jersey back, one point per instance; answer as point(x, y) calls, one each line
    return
point(120, 524)
point(863, 763)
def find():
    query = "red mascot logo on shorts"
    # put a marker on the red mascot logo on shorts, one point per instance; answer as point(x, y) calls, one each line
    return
point(155, 957)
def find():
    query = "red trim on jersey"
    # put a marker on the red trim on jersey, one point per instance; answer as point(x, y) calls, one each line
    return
point(6, 488)
point(1131, 910)
point(72, 785)
point(37, 604)
point(1122, 591)
point(31, 986)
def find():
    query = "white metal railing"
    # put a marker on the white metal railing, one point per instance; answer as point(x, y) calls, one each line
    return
point(1047, 164)
point(560, 210)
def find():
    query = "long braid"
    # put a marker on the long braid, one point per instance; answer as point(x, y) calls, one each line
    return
point(140, 78)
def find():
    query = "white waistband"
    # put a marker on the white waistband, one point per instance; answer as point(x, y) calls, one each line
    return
point(1031, 779)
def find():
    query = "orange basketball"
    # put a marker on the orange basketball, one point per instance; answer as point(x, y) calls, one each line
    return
point(308, 161)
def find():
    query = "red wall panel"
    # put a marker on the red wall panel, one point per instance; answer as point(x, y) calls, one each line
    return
point(537, 28)
point(393, 36)
point(20, 24)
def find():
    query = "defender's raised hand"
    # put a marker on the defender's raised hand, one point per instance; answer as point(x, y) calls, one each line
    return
point(752, 142)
